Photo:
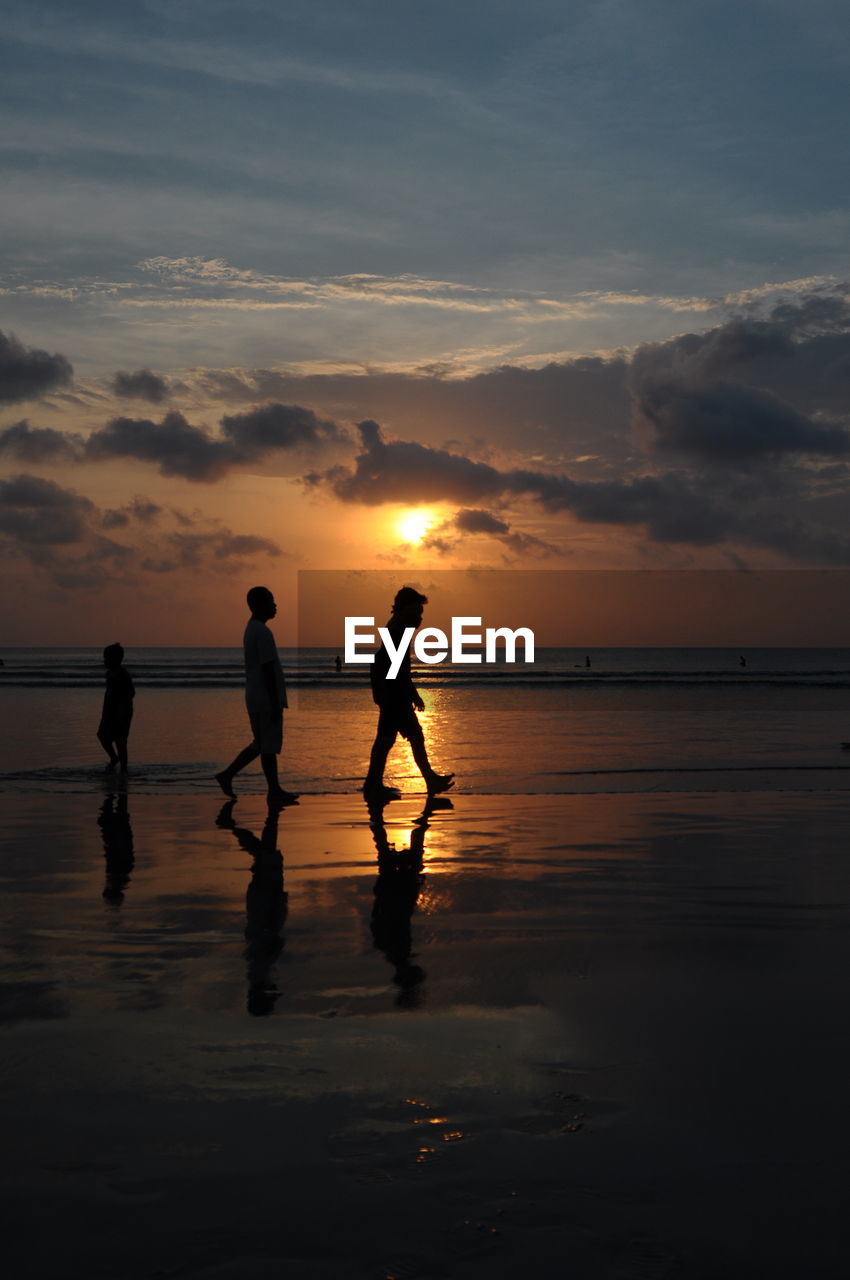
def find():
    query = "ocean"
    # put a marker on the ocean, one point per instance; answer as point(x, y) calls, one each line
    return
point(632, 720)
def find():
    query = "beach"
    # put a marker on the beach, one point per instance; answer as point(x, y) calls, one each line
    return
point(597, 1034)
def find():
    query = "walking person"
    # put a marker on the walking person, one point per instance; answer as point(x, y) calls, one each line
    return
point(265, 698)
point(117, 715)
point(398, 701)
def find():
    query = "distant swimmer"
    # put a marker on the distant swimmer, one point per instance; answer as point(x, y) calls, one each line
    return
point(338, 663)
point(398, 701)
point(587, 660)
point(742, 661)
point(265, 698)
point(117, 715)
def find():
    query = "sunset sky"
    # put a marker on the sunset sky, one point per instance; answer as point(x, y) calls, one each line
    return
point(559, 284)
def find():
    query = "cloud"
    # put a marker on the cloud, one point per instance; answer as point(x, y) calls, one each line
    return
point(472, 520)
point(475, 521)
point(752, 387)
point(173, 445)
point(27, 373)
point(39, 444)
point(39, 512)
point(140, 509)
point(277, 426)
point(177, 448)
point(778, 510)
point(60, 531)
point(141, 385)
point(728, 422)
point(181, 550)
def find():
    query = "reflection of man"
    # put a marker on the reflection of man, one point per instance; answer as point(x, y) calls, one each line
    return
point(397, 890)
point(398, 701)
point(265, 908)
point(265, 698)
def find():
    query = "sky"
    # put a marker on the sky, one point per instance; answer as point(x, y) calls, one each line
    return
point(551, 285)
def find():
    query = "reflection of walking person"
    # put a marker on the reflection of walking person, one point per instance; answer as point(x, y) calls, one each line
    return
point(114, 728)
point(117, 833)
point(398, 701)
point(265, 698)
point(265, 908)
point(397, 889)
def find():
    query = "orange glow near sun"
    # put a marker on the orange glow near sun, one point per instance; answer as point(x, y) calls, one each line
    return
point(412, 526)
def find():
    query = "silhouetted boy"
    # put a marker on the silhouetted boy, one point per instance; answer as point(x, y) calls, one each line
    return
point(114, 728)
point(398, 701)
point(265, 698)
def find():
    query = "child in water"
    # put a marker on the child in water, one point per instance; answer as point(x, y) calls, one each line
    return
point(114, 728)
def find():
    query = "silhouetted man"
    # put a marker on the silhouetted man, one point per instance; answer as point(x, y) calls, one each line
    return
point(265, 698)
point(398, 702)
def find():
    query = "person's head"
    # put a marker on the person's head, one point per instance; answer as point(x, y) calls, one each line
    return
point(113, 656)
point(261, 603)
point(408, 605)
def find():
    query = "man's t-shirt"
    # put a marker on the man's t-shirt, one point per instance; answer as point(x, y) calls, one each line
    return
point(259, 648)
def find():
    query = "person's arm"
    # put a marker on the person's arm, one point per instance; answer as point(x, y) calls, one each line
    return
point(406, 679)
point(269, 670)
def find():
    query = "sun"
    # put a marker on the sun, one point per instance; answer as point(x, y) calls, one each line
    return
point(412, 526)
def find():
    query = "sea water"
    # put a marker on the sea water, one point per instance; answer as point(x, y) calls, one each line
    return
point(631, 720)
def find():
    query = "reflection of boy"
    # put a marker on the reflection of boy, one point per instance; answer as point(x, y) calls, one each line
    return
point(398, 701)
point(116, 717)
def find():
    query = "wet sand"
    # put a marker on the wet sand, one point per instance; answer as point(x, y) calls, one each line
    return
point(597, 1035)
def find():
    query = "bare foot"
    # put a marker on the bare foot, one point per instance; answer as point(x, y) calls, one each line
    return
point(440, 782)
point(380, 794)
point(226, 783)
point(281, 797)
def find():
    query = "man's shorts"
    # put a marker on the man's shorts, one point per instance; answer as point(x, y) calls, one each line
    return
point(398, 717)
point(267, 730)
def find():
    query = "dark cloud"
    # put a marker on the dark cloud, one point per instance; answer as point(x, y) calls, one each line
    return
point(731, 422)
point(752, 387)
point(174, 446)
point(570, 406)
point(475, 521)
point(177, 448)
point(60, 531)
point(141, 385)
point(674, 507)
point(39, 444)
point(181, 550)
point(140, 509)
point(792, 359)
point(276, 426)
point(27, 372)
point(37, 511)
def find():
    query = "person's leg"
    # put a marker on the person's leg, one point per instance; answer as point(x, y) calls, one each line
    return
point(276, 793)
point(269, 762)
point(121, 748)
point(433, 781)
point(105, 741)
point(381, 747)
point(245, 757)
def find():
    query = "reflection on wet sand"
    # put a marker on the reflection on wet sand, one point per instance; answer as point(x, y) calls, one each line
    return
point(117, 834)
point(400, 881)
point(265, 907)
